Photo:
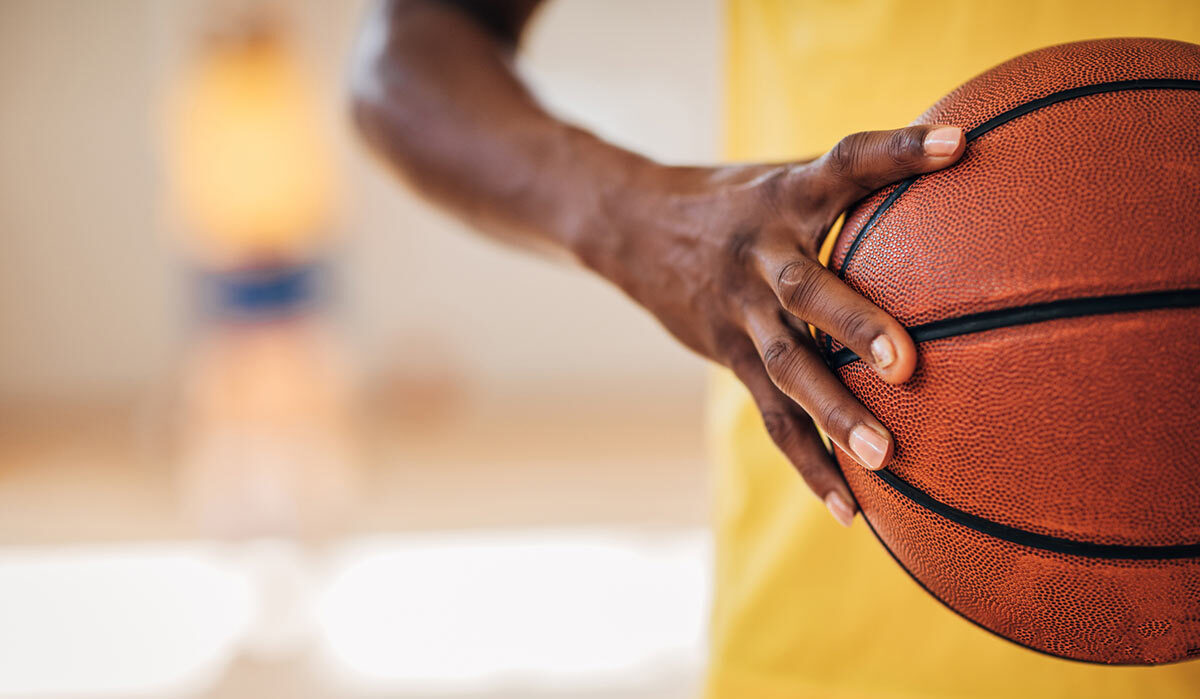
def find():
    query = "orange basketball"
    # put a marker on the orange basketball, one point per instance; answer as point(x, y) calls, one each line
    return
point(1046, 480)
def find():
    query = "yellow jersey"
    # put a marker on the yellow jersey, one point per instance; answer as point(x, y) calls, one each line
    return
point(804, 608)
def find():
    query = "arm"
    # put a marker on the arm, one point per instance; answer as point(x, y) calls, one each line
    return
point(724, 257)
point(435, 94)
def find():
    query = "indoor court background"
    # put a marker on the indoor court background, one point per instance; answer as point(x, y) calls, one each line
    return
point(466, 473)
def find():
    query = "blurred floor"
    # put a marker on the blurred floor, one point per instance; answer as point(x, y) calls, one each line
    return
point(584, 522)
point(92, 473)
point(577, 509)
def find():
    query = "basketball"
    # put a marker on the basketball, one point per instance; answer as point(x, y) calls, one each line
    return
point(1046, 479)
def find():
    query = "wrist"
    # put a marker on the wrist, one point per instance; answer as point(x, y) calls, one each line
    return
point(608, 204)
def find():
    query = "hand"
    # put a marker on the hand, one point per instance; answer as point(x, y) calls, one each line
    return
point(726, 258)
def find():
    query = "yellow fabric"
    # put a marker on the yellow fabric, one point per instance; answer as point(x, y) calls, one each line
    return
point(804, 608)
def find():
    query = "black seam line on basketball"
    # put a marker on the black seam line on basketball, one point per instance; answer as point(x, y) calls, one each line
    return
point(1044, 542)
point(1019, 111)
point(1037, 313)
point(879, 211)
point(974, 622)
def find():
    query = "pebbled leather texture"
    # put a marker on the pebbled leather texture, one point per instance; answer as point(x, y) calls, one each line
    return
point(1105, 611)
point(1084, 428)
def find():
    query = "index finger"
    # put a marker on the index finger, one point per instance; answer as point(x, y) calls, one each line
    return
point(810, 292)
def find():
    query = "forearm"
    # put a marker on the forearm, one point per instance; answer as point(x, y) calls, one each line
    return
point(724, 257)
point(436, 96)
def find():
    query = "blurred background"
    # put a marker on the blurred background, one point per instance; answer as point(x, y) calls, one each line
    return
point(271, 426)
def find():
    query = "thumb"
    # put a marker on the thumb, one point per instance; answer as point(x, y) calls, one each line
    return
point(864, 162)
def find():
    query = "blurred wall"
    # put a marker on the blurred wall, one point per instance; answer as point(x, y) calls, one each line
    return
point(92, 295)
point(85, 285)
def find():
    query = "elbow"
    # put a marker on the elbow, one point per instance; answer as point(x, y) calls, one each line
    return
point(365, 110)
point(378, 66)
point(367, 84)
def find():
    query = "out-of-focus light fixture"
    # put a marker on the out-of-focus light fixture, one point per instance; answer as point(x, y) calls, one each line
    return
point(266, 444)
point(249, 162)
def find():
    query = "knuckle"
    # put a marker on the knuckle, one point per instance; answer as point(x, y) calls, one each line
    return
point(857, 325)
point(838, 418)
point(844, 157)
point(814, 469)
point(904, 146)
point(776, 191)
point(778, 425)
point(740, 245)
point(793, 374)
point(778, 356)
point(798, 283)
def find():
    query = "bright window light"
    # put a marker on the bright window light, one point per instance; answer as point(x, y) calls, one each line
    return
point(130, 620)
point(552, 610)
point(444, 613)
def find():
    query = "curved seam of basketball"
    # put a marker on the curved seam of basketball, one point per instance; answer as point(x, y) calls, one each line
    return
point(1037, 313)
point(994, 528)
point(1005, 117)
point(963, 615)
point(1026, 315)
point(1045, 542)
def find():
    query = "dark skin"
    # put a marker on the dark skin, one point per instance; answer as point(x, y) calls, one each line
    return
point(725, 257)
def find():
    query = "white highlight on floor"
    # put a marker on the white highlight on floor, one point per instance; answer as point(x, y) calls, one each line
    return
point(123, 620)
point(553, 610)
point(556, 610)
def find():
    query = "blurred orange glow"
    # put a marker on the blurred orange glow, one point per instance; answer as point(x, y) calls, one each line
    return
point(251, 168)
point(267, 443)
point(430, 467)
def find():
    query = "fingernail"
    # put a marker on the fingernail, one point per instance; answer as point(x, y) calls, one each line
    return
point(869, 447)
point(883, 352)
point(840, 509)
point(942, 140)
